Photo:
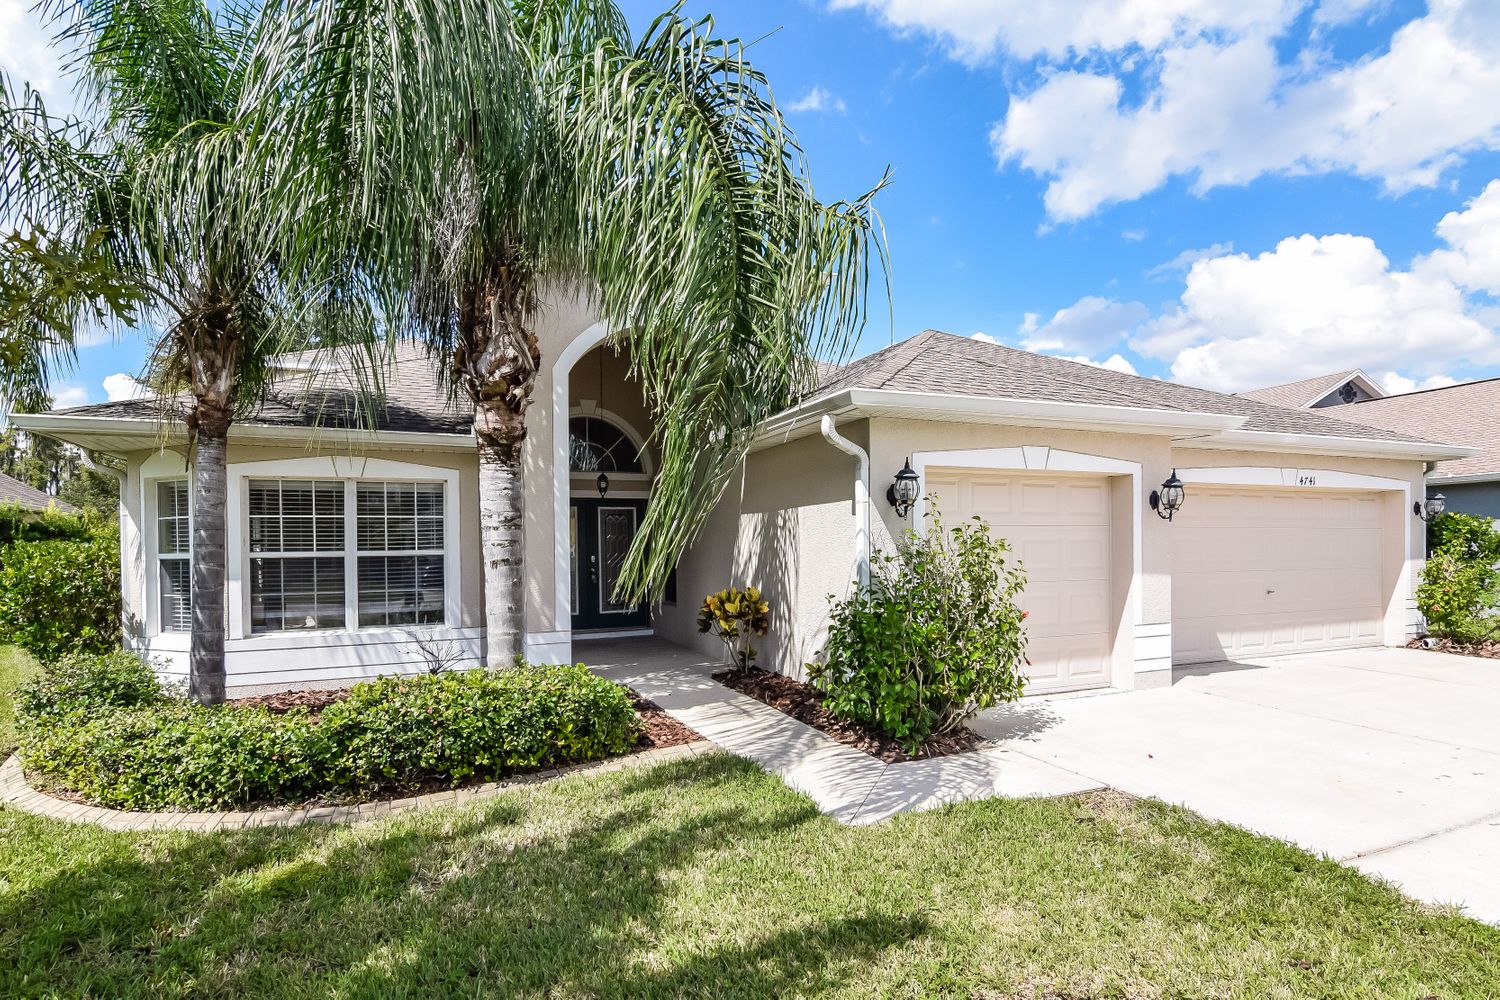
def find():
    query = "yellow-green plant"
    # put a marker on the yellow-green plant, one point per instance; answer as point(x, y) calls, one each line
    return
point(736, 616)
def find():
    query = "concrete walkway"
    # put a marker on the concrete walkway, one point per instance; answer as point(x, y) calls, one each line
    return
point(1387, 759)
point(849, 785)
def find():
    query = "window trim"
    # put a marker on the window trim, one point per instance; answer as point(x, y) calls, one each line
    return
point(350, 470)
point(154, 593)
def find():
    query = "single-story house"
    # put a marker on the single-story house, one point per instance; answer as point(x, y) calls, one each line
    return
point(355, 551)
point(15, 493)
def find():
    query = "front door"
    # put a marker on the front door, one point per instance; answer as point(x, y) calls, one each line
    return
point(600, 531)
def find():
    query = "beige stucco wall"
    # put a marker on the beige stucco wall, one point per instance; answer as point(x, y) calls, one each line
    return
point(786, 524)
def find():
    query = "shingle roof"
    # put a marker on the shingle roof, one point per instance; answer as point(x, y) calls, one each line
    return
point(13, 491)
point(331, 397)
point(1462, 414)
point(1300, 393)
point(937, 362)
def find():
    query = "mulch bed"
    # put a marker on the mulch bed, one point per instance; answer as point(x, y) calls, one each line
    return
point(804, 703)
point(658, 729)
point(1485, 650)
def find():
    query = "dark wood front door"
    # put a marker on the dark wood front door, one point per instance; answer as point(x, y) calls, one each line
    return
point(600, 531)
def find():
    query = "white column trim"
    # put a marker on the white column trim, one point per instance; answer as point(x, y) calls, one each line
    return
point(558, 643)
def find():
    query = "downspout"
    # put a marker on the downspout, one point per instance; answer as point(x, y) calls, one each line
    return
point(89, 462)
point(861, 497)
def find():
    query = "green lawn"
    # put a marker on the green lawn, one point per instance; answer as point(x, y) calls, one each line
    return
point(15, 666)
point(707, 877)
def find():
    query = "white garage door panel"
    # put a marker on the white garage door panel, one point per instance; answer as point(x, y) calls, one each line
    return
point(1256, 573)
point(1058, 528)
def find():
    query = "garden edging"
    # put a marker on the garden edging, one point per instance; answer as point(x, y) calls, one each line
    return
point(16, 793)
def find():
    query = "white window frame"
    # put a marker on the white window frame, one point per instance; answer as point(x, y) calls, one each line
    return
point(350, 470)
point(161, 467)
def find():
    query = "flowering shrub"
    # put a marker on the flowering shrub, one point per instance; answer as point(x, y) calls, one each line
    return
point(735, 617)
point(1460, 585)
point(935, 638)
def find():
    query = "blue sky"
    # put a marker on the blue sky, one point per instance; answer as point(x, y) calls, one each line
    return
point(1231, 193)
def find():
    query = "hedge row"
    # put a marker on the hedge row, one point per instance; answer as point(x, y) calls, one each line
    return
point(100, 726)
point(59, 583)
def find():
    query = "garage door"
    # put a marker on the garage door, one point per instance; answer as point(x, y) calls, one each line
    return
point(1059, 528)
point(1262, 572)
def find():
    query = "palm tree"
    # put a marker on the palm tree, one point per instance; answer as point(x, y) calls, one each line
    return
point(495, 153)
point(159, 212)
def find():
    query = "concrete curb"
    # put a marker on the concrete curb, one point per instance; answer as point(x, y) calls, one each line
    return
point(16, 793)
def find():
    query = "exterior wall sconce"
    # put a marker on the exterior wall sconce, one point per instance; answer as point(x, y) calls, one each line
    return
point(1435, 505)
point(603, 483)
point(903, 493)
point(1168, 500)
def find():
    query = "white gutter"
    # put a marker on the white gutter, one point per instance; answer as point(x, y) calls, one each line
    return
point(1329, 444)
point(58, 424)
point(90, 462)
point(861, 496)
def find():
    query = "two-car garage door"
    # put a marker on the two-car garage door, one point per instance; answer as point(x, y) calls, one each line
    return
point(1258, 572)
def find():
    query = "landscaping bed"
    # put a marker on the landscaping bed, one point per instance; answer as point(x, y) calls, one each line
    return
point(101, 728)
point(1489, 650)
point(804, 703)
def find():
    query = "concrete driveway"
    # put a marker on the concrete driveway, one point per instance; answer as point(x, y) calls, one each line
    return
point(1387, 759)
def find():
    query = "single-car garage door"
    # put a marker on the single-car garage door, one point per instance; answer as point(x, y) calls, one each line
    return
point(1059, 527)
point(1262, 572)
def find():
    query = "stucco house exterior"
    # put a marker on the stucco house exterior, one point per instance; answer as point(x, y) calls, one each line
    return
point(355, 551)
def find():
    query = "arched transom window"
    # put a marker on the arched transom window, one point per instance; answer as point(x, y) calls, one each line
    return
point(596, 445)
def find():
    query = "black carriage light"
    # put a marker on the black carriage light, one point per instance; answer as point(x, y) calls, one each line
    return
point(1435, 505)
point(603, 483)
point(1168, 500)
point(904, 491)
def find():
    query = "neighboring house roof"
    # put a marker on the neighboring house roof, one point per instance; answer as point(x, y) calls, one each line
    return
point(1464, 414)
point(937, 362)
point(1306, 392)
point(13, 491)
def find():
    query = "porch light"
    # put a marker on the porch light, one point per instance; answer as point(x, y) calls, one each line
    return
point(603, 483)
point(903, 493)
point(1435, 505)
point(1168, 500)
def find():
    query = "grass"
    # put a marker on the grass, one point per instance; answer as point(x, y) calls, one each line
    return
point(707, 877)
point(16, 665)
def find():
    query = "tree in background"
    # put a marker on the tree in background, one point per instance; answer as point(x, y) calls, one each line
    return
point(158, 209)
point(496, 154)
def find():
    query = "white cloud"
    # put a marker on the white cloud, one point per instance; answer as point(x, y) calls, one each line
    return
point(1134, 235)
point(818, 99)
point(1088, 326)
point(121, 386)
point(975, 29)
point(1311, 306)
point(1187, 258)
point(983, 338)
point(1223, 109)
point(66, 394)
point(1472, 258)
point(1397, 384)
point(1115, 363)
point(28, 56)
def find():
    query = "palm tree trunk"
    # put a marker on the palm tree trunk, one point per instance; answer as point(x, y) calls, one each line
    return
point(210, 479)
point(502, 506)
point(496, 361)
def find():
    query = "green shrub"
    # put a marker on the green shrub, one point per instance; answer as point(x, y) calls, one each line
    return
point(1460, 585)
point(82, 682)
point(475, 724)
point(94, 726)
point(61, 596)
point(936, 637)
point(21, 524)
